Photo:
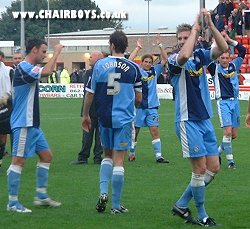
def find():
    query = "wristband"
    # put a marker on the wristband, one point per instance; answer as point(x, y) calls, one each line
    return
point(160, 45)
point(234, 43)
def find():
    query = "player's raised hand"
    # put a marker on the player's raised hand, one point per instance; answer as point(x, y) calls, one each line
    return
point(207, 16)
point(58, 48)
point(225, 35)
point(86, 123)
point(139, 43)
point(158, 39)
point(197, 25)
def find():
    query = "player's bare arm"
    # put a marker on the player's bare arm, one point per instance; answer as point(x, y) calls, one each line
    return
point(86, 121)
point(221, 45)
point(50, 66)
point(136, 49)
point(187, 48)
point(163, 52)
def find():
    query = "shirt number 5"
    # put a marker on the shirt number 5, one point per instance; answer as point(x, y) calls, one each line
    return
point(113, 86)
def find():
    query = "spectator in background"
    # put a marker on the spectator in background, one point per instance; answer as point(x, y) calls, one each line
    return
point(80, 76)
point(242, 6)
point(16, 59)
point(202, 43)
point(88, 137)
point(64, 76)
point(218, 22)
point(5, 105)
point(229, 8)
point(220, 9)
point(52, 77)
point(237, 21)
point(231, 34)
point(163, 78)
point(58, 73)
point(74, 77)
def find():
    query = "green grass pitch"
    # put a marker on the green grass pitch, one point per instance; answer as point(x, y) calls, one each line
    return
point(150, 189)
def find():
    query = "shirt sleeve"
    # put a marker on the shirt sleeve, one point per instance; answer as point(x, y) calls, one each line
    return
point(30, 73)
point(158, 69)
point(173, 66)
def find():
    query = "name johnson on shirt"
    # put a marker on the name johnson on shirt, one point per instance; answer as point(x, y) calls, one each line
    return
point(119, 64)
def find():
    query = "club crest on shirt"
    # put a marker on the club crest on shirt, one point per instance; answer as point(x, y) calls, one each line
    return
point(123, 144)
point(228, 75)
point(148, 78)
point(35, 69)
point(195, 73)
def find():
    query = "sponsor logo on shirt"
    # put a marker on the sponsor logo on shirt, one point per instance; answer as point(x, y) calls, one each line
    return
point(35, 69)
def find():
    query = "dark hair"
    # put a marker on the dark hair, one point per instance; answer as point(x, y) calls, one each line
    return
point(2, 54)
point(147, 56)
point(35, 42)
point(119, 40)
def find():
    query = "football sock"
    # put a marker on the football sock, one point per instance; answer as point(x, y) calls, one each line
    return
point(187, 195)
point(133, 148)
point(117, 186)
point(198, 190)
point(209, 176)
point(185, 198)
point(42, 174)
point(105, 174)
point(227, 145)
point(157, 147)
point(13, 176)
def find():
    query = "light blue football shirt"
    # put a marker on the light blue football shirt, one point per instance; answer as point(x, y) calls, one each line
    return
point(25, 99)
point(114, 82)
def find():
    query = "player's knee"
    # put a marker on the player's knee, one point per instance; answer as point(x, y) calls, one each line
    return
point(45, 156)
point(18, 161)
point(200, 170)
point(214, 167)
point(155, 132)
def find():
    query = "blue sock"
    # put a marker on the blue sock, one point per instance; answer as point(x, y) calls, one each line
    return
point(13, 176)
point(42, 174)
point(187, 195)
point(198, 191)
point(157, 147)
point(227, 145)
point(132, 148)
point(117, 186)
point(105, 174)
point(185, 198)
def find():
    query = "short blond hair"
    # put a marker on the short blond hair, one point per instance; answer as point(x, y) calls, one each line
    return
point(183, 27)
